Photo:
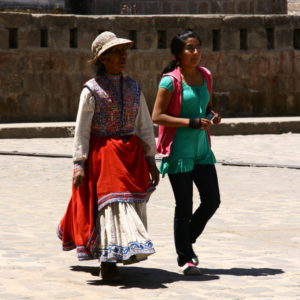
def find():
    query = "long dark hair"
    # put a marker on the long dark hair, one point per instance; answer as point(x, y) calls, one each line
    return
point(176, 47)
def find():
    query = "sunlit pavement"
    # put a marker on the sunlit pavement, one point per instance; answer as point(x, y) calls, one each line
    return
point(249, 250)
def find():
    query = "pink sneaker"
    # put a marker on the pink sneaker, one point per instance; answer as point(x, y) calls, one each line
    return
point(190, 269)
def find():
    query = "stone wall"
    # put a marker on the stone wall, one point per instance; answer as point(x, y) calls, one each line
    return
point(189, 6)
point(149, 7)
point(255, 61)
point(32, 4)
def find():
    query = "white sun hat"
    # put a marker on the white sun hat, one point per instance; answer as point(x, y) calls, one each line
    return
point(105, 41)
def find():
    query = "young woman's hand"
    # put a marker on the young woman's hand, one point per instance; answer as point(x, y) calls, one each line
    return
point(217, 119)
point(78, 176)
point(205, 124)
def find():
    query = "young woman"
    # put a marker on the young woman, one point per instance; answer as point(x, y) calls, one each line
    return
point(114, 165)
point(182, 105)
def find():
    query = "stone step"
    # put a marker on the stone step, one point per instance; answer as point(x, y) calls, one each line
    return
point(229, 126)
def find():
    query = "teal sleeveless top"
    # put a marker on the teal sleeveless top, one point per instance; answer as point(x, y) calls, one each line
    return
point(190, 146)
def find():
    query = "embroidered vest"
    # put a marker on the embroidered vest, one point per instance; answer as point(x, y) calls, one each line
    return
point(117, 101)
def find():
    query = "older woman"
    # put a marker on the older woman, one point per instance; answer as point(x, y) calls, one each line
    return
point(114, 165)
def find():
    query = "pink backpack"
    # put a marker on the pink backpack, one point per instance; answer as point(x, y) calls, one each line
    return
point(166, 134)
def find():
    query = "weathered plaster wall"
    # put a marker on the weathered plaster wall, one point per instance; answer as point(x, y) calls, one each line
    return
point(43, 61)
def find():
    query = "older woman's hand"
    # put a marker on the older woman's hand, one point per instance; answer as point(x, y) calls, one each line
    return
point(78, 176)
point(154, 173)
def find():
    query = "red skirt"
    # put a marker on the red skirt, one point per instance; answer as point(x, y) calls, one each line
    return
point(115, 171)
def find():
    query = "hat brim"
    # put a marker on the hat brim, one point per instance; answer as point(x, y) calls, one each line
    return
point(115, 42)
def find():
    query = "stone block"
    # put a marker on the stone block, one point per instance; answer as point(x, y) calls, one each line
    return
point(235, 68)
point(166, 7)
point(242, 7)
point(204, 27)
point(259, 8)
point(245, 21)
point(4, 38)
point(59, 37)
point(256, 102)
point(251, 7)
point(294, 21)
point(230, 39)
point(284, 38)
point(32, 82)
point(263, 68)
point(268, 6)
point(134, 59)
point(228, 7)
point(15, 20)
point(88, 29)
point(280, 6)
point(257, 39)
point(98, 24)
point(279, 21)
point(203, 8)
point(58, 29)
point(147, 40)
point(224, 103)
point(149, 8)
point(28, 36)
point(215, 8)
point(295, 106)
point(285, 64)
point(179, 7)
point(171, 33)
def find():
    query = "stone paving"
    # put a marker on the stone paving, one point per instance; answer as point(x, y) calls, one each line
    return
point(249, 250)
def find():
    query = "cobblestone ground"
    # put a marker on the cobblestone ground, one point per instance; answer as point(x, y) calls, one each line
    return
point(249, 250)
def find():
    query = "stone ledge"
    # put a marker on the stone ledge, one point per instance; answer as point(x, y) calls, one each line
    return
point(229, 126)
point(37, 130)
point(248, 126)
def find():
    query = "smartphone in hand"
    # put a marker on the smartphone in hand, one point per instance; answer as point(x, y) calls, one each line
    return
point(211, 115)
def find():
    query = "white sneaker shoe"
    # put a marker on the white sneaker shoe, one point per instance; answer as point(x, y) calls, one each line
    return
point(190, 269)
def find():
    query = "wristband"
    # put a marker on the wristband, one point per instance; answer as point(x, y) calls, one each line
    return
point(195, 123)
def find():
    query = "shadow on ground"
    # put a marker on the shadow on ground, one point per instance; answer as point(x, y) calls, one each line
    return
point(152, 278)
point(243, 271)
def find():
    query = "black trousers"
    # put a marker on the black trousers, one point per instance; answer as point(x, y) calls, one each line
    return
point(188, 225)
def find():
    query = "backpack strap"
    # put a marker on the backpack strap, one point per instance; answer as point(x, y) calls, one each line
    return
point(175, 76)
point(207, 76)
point(175, 73)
